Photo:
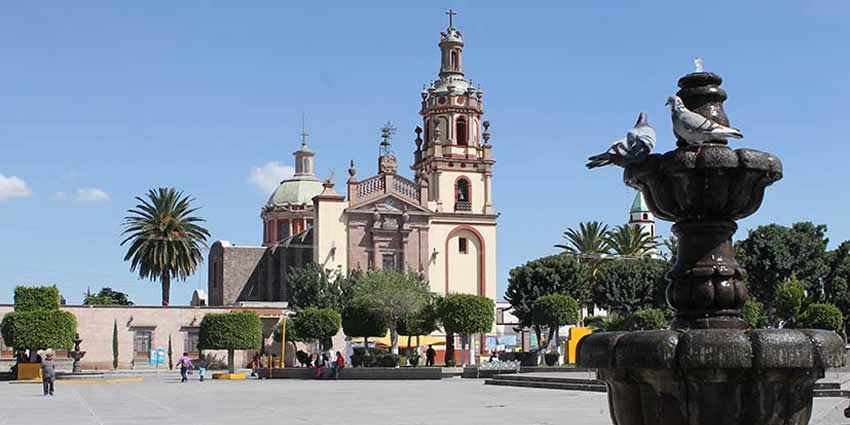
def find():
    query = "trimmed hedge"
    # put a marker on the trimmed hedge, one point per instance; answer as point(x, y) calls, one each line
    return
point(231, 331)
point(37, 298)
point(316, 323)
point(39, 329)
point(466, 314)
point(386, 360)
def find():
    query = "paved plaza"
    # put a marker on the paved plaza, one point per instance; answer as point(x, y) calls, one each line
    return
point(164, 400)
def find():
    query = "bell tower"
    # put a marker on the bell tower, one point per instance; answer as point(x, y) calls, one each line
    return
point(454, 161)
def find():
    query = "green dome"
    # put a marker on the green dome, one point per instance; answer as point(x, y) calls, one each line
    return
point(297, 190)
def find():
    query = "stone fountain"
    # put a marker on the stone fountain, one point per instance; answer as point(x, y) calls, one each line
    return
point(708, 368)
point(77, 354)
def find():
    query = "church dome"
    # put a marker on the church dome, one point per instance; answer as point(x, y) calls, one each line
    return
point(297, 190)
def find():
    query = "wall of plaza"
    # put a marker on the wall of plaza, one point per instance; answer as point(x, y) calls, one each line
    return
point(142, 328)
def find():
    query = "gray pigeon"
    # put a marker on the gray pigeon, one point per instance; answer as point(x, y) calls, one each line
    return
point(694, 128)
point(634, 148)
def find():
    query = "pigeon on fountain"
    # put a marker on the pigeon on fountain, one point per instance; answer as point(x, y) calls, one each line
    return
point(695, 129)
point(632, 149)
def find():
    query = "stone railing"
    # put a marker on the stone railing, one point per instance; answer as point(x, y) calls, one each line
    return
point(463, 206)
point(405, 187)
point(376, 186)
point(371, 186)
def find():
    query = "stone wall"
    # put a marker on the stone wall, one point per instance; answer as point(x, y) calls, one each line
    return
point(95, 326)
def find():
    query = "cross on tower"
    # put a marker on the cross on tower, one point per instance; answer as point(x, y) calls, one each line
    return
point(451, 14)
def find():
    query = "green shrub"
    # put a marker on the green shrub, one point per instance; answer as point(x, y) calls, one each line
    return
point(552, 358)
point(823, 316)
point(647, 319)
point(37, 298)
point(316, 323)
point(451, 363)
point(791, 301)
point(230, 331)
point(752, 314)
point(39, 329)
point(386, 360)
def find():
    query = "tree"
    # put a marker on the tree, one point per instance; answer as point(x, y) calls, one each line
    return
point(312, 286)
point(753, 315)
point(317, 324)
point(630, 240)
point(589, 239)
point(230, 331)
point(165, 237)
point(791, 302)
point(421, 322)
point(392, 295)
point(359, 321)
point(170, 354)
point(554, 311)
point(37, 323)
point(823, 316)
point(466, 314)
point(671, 244)
point(772, 253)
point(106, 296)
point(626, 286)
point(647, 319)
point(557, 274)
point(115, 344)
point(836, 286)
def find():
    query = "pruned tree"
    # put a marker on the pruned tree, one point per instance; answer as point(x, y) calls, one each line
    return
point(392, 295)
point(557, 274)
point(317, 324)
point(466, 314)
point(360, 321)
point(37, 323)
point(230, 331)
point(107, 296)
point(626, 286)
point(554, 311)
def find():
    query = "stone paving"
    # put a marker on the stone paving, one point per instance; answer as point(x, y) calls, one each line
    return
point(164, 400)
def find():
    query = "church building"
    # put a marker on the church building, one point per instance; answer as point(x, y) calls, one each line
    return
point(440, 223)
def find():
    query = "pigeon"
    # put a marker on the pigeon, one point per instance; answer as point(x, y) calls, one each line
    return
point(632, 149)
point(695, 129)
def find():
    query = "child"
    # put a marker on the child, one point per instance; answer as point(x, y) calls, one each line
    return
point(48, 373)
point(201, 372)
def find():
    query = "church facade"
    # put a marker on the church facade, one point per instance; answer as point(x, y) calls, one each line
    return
point(440, 224)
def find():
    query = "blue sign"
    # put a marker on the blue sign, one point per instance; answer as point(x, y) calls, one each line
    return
point(158, 356)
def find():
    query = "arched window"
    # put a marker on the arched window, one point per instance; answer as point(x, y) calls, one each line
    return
point(460, 131)
point(427, 132)
point(454, 61)
point(305, 165)
point(462, 199)
point(645, 216)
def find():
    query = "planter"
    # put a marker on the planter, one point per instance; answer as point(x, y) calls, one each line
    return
point(229, 376)
point(29, 371)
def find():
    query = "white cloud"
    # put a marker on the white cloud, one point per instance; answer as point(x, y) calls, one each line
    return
point(61, 195)
point(269, 176)
point(92, 194)
point(13, 187)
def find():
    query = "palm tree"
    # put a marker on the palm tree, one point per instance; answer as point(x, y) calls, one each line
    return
point(589, 239)
point(631, 241)
point(165, 238)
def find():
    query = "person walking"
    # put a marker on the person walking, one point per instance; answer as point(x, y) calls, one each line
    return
point(185, 364)
point(48, 373)
point(339, 363)
point(430, 354)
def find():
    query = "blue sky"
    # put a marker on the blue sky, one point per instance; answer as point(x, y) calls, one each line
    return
point(100, 101)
